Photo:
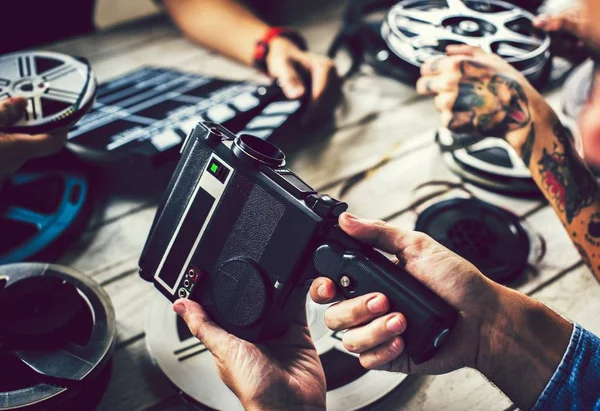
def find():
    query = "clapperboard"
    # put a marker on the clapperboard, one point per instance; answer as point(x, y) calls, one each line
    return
point(152, 110)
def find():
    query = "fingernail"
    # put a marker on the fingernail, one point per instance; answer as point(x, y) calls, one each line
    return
point(394, 325)
point(396, 344)
point(540, 20)
point(179, 308)
point(322, 291)
point(350, 216)
point(295, 92)
point(376, 305)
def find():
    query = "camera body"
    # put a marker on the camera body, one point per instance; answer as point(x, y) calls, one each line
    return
point(242, 235)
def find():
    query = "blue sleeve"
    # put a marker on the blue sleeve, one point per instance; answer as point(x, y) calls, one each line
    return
point(575, 384)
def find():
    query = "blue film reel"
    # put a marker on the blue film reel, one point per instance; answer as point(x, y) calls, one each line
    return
point(38, 209)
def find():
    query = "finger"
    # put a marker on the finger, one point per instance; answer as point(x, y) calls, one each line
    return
point(463, 50)
point(355, 312)
point(431, 85)
point(378, 234)
point(202, 327)
point(289, 79)
point(322, 290)
point(378, 357)
point(444, 101)
point(11, 110)
point(446, 117)
point(322, 73)
point(433, 65)
point(41, 145)
point(375, 333)
point(541, 21)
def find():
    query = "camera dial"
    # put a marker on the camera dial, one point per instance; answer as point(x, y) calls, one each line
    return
point(250, 148)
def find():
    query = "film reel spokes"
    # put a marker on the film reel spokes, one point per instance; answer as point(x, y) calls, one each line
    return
point(59, 89)
point(416, 30)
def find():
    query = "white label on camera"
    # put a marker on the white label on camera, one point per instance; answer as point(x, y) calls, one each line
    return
point(215, 188)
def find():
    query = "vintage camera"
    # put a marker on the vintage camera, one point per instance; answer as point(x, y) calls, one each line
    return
point(241, 234)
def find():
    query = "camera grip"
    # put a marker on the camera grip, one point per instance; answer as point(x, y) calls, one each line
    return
point(359, 272)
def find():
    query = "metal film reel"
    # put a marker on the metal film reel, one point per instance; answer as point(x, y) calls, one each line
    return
point(490, 163)
point(72, 376)
point(190, 367)
point(416, 30)
point(59, 89)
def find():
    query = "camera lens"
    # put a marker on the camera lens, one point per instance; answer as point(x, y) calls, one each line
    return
point(251, 148)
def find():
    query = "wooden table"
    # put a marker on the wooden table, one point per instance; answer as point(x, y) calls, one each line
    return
point(377, 116)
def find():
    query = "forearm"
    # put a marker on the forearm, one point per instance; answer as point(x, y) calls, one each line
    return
point(528, 341)
point(568, 185)
point(226, 26)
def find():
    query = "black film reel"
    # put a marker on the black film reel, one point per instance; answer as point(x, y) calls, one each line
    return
point(491, 238)
point(64, 365)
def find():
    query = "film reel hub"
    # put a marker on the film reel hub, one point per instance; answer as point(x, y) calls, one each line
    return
point(416, 30)
point(64, 364)
point(59, 89)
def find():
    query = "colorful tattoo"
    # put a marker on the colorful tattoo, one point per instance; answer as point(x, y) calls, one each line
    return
point(488, 104)
point(565, 178)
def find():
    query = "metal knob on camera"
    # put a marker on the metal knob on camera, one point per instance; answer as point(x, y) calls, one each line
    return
point(252, 149)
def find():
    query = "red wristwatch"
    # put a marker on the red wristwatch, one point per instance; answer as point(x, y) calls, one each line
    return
point(262, 46)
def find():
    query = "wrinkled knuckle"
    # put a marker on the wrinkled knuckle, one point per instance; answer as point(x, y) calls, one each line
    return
point(348, 343)
point(331, 322)
point(366, 361)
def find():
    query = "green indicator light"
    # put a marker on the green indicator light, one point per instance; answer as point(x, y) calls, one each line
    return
point(214, 168)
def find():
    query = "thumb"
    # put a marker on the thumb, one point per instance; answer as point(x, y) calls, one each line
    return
point(289, 78)
point(202, 327)
point(378, 234)
point(11, 110)
point(463, 50)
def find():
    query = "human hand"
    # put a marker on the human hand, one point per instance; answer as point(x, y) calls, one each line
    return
point(17, 148)
point(572, 20)
point(293, 67)
point(515, 341)
point(376, 334)
point(285, 373)
point(481, 94)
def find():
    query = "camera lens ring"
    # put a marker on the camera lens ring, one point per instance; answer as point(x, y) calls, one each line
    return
point(249, 147)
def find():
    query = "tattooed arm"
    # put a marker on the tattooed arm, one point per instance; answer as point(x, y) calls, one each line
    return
point(481, 94)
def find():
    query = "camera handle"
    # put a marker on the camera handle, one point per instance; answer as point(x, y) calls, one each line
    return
point(359, 270)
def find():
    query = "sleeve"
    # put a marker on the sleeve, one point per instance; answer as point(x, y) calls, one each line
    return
point(575, 384)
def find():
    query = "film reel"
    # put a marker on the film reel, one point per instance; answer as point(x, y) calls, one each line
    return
point(71, 375)
point(489, 163)
point(577, 89)
point(416, 30)
point(489, 237)
point(42, 210)
point(186, 362)
point(59, 89)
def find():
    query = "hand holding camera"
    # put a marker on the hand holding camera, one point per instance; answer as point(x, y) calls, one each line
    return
point(241, 234)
